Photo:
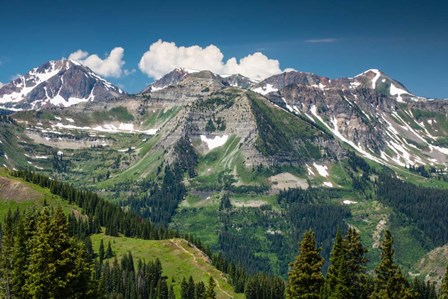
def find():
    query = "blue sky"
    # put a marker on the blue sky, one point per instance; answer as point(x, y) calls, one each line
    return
point(408, 40)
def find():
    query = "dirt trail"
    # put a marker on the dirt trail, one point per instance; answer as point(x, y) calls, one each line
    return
point(195, 261)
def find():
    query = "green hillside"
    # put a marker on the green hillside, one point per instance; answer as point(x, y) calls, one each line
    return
point(178, 257)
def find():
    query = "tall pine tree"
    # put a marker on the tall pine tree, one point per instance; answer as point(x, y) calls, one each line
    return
point(389, 281)
point(305, 279)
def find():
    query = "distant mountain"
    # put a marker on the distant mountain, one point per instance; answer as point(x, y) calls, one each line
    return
point(56, 83)
point(179, 74)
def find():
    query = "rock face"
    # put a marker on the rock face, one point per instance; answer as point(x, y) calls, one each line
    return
point(376, 115)
point(371, 112)
point(56, 83)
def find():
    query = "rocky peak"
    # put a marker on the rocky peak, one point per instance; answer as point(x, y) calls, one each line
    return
point(172, 78)
point(56, 83)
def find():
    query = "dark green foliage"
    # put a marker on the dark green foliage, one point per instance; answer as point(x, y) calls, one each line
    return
point(40, 260)
point(389, 281)
point(262, 286)
point(161, 201)
point(186, 157)
point(283, 134)
point(346, 276)
point(103, 213)
point(305, 279)
point(124, 280)
point(210, 127)
point(225, 203)
point(307, 209)
point(422, 290)
point(426, 207)
point(210, 290)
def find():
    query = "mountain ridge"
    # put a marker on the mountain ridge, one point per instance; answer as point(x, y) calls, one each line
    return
point(56, 83)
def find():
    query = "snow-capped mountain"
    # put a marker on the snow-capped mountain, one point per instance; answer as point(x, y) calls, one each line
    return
point(56, 83)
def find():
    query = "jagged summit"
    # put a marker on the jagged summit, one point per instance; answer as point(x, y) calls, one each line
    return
point(62, 82)
point(177, 75)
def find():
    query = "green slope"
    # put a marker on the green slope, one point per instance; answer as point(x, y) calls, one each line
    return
point(179, 259)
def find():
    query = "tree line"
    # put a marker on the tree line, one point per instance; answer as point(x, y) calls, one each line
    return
point(115, 220)
point(347, 276)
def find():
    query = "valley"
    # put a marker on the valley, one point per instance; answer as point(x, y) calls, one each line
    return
point(246, 167)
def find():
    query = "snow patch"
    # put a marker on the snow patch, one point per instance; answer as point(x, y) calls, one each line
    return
point(321, 169)
point(328, 184)
point(215, 142)
point(395, 91)
point(264, 90)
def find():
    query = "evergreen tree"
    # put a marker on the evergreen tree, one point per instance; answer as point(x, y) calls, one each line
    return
point(20, 258)
point(389, 281)
point(305, 279)
point(109, 252)
point(184, 289)
point(58, 266)
point(171, 294)
point(101, 253)
point(162, 289)
point(191, 288)
point(200, 290)
point(361, 284)
point(337, 284)
point(210, 291)
point(6, 257)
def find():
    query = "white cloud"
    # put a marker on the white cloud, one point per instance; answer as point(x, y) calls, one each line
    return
point(110, 66)
point(162, 57)
point(1, 84)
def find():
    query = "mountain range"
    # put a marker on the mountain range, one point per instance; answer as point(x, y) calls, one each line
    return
point(232, 136)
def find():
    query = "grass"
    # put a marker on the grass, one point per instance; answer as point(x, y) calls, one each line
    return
point(178, 259)
point(160, 117)
point(41, 196)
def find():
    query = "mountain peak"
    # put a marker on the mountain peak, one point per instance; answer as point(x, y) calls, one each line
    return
point(62, 82)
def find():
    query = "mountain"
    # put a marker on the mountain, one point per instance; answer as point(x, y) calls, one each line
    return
point(60, 83)
point(177, 75)
point(374, 114)
point(215, 156)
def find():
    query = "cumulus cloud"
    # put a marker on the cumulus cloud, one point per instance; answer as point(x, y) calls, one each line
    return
point(110, 66)
point(162, 57)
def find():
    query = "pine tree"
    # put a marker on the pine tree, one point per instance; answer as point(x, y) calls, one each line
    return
point(389, 281)
point(200, 290)
point(101, 254)
point(20, 258)
point(184, 289)
point(361, 284)
point(337, 284)
point(109, 252)
point(443, 292)
point(162, 289)
point(6, 257)
point(171, 294)
point(191, 288)
point(58, 266)
point(210, 291)
point(305, 279)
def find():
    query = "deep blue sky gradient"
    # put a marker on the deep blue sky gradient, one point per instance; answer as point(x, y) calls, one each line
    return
point(408, 40)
